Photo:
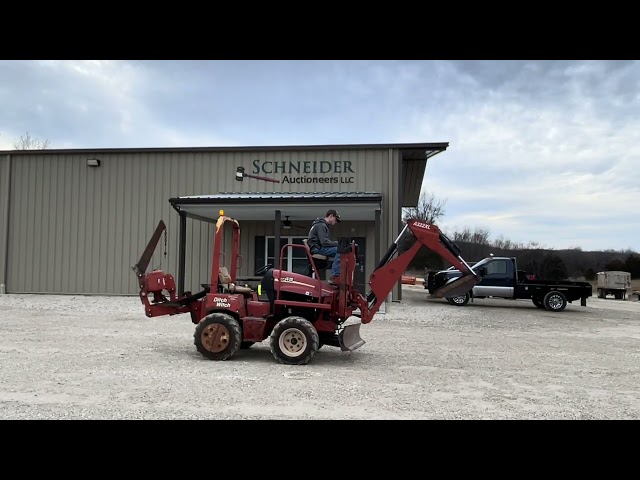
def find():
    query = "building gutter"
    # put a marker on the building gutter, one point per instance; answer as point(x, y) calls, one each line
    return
point(5, 254)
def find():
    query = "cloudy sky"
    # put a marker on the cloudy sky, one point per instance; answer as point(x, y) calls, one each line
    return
point(541, 151)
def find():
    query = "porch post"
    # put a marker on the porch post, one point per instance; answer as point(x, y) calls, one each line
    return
point(276, 240)
point(377, 244)
point(182, 250)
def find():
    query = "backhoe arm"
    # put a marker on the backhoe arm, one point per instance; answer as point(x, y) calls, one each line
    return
point(388, 272)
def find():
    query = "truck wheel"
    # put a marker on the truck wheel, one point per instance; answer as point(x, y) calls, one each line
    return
point(294, 341)
point(555, 301)
point(460, 300)
point(537, 302)
point(218, 336)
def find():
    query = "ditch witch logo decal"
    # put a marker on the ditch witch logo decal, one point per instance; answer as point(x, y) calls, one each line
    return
point(316, 171)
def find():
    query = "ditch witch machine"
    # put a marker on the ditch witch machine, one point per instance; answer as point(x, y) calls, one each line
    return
point(300, 313)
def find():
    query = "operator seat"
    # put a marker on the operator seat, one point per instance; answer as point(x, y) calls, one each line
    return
point(321, 262)
point(225, 281)
point(314, 255)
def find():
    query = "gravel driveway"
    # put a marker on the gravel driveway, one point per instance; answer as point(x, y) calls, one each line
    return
point(101, 358)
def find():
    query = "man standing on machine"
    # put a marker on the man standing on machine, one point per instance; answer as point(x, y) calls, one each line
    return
point(320, 242)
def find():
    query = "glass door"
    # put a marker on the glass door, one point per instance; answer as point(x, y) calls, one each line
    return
point(294, 259)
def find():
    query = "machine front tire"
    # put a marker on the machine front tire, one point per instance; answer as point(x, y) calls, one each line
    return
point(218, 336)
point(294, 341)
point(555, 301)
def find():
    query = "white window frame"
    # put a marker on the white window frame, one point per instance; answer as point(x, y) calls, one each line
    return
point(289, 266)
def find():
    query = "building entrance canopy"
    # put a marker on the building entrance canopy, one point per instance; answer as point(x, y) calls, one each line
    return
point(353, 206)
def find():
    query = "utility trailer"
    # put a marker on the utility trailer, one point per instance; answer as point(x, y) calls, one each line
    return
point(613, 282)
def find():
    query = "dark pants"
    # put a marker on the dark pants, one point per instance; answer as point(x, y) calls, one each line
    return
point(331, 252)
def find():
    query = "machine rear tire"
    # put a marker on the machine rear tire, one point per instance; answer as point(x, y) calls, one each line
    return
point(218, 336)
point(555, 301)
point(294, 341)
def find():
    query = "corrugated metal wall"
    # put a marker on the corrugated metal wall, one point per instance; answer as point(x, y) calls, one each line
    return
point(4, 191)
point(78, 229)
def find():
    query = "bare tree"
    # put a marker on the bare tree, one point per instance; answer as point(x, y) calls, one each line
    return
point(474, 243)
point(503, 243)
point(429, 209)
point(27, 142)
point(479, 236)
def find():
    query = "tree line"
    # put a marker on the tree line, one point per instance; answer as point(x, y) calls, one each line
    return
point(544, 262)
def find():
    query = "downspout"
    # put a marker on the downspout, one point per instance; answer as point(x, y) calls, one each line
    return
point(5, 254)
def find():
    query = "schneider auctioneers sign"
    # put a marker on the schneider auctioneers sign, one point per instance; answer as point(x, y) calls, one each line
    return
point(312, 171)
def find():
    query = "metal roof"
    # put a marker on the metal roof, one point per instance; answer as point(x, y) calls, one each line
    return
point(410, 150)
point(252, 197)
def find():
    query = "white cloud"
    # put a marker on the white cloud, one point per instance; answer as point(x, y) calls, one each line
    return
point(560, 172)
point(539, 150)
point(6, 140)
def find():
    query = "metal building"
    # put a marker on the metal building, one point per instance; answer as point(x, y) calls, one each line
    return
point(75, 221)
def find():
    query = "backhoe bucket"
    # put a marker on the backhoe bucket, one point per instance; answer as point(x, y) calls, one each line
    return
point(350, 339)
point(458, 286)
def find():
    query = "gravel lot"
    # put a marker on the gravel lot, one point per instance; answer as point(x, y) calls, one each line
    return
point(101, 358)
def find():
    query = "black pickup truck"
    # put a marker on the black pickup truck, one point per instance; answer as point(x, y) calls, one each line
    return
point(502, 279)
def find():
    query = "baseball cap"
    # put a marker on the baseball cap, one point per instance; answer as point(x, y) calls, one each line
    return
point(335, 213)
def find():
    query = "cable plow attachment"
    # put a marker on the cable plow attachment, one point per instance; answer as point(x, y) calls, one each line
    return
point(158, 289)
